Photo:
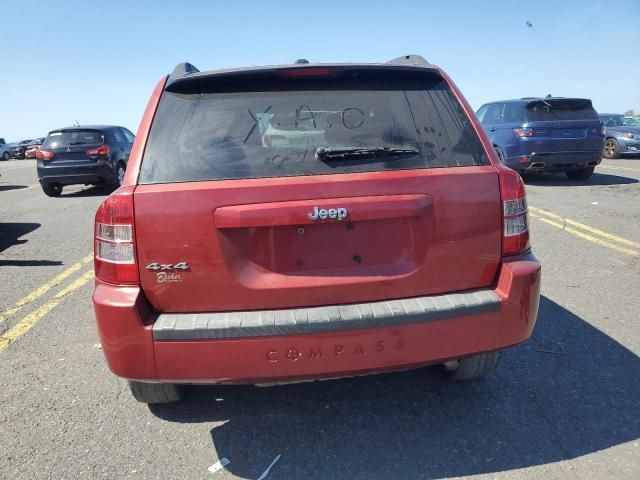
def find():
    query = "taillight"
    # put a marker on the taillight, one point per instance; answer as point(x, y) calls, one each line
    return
point(523, 132)
point(515, 229)
point(44, 154)
point(115, 253)
point(101, 151)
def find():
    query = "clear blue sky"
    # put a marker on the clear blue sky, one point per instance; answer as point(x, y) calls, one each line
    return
point(97, 62)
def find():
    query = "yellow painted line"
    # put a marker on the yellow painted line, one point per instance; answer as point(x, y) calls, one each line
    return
point(616, 167)
point(25, 324)
point(596, 231)
point(38, 292)
point(585, 236)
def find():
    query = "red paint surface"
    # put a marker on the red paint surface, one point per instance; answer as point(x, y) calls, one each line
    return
point(124, 325)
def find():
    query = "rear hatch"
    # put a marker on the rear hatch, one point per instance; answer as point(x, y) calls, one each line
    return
point(237, 210)
point(70, 146)
point(563, 125)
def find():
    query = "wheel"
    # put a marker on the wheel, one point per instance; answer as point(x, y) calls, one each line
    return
point(156, 392)
point(582, 174)
point(475, 366)
point(611, 148)
point(500, 154)
point(52, 189)
point(120, 169)
point(6, 156)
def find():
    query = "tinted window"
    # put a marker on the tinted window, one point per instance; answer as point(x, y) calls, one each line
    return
point(494, 114)
point(481, 113)
point(128, 135)
point(118, 135)
point(65, 138)
point(613, 120)
point(273, 130)
point(565, 109)
point(514, 113)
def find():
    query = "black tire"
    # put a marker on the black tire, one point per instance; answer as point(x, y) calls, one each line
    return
point(611, 148)
point(151, 393)
point(582, 174)
point(476, 366)
point(6, 156)
point(500, 154)
point(52, 189)
point(120, 169)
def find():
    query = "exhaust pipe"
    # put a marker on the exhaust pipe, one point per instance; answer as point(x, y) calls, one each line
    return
point(536, 165)
point(592, 164)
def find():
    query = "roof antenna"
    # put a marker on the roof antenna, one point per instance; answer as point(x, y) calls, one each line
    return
point(77, 124)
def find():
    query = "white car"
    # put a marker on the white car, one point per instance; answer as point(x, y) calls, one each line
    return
point(5, 154)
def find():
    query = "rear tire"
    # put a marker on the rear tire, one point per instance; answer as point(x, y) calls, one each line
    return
point(52, 189)
point(611, 148)
point(476, 366)
point(6, 156)
point(500, 154)
point(151, 393)
point(582, 174)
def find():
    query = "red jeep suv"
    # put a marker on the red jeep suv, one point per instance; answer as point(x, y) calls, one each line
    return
point(308, 221)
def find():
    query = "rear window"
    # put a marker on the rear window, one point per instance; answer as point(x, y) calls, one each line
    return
point(273, 129)
point(553, 110)
point(66, 138)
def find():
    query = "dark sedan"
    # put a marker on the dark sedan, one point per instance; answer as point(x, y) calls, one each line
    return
point(622, 136)
point(17, 151)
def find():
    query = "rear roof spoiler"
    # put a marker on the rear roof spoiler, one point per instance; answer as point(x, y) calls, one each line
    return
point(186, 68)
point(185, 73)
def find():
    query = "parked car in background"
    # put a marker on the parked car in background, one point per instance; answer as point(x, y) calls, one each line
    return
point(5, 150)
point(622, 135)
point(391, 238)
point(89, 155)
point(32, 148)
point(552, 134)
point(18, 150)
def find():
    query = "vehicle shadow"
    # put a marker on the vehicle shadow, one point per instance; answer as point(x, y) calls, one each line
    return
point(10, 233)
point(6, 188)
point(93, 191)
point(569, 391)
point(560, 180)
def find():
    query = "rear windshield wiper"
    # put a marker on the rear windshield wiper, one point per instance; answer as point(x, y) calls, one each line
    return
point(327, 153)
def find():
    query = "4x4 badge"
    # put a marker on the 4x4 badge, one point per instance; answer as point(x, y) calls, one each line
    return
point(155, 266)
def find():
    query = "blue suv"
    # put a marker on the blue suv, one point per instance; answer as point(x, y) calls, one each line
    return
point(551, 134)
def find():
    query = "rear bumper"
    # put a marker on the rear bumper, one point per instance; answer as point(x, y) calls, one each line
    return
point(98, 172)
point(555, 161)
point(126, 324)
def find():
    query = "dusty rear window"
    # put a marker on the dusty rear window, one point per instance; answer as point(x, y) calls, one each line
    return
point(274, 130)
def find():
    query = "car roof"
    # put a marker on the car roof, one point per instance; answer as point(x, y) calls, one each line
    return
point(525, 100)
point(611, 114)
point(87, 127)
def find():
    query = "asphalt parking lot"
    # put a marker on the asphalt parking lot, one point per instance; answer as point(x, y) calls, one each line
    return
point(563, 405)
